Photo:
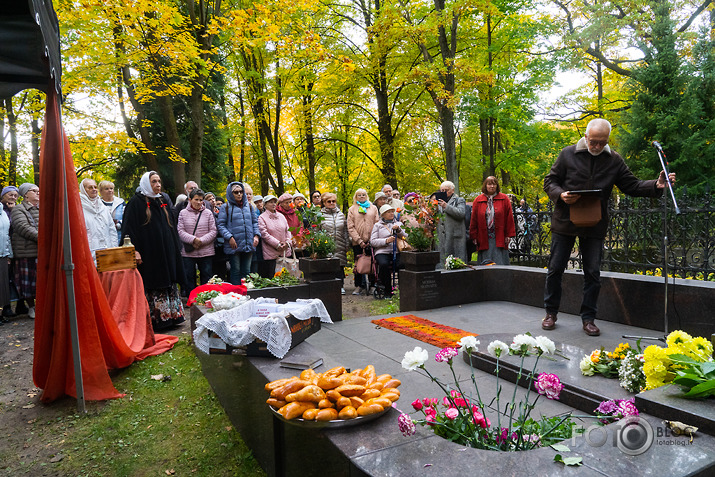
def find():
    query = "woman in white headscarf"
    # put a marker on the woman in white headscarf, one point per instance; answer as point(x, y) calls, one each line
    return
point(97, 217)
point(148, 221)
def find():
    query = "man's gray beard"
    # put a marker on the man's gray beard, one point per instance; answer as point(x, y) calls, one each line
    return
point(593, 153)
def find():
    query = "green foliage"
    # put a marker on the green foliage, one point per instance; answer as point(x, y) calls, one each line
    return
point(281, 279)
point(148, 422)
point(697, 378)
point(320, 244)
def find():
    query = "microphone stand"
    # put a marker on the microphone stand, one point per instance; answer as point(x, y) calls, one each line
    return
point(663, 164)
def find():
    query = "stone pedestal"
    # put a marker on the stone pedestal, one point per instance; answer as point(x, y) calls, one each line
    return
point(320, 275)
point(316, 269)
point(419, 261)
point(419, 290)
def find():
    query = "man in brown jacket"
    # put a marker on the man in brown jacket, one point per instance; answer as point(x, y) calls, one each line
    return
point(589, 165)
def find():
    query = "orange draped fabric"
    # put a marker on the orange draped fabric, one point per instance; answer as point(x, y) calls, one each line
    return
point(102, 345)
point(125, 292)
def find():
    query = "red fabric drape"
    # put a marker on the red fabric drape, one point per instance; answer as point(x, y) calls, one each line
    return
point(222, 287)
point(102, 345)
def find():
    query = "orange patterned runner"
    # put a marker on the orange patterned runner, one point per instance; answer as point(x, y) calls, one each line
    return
point(424, 330)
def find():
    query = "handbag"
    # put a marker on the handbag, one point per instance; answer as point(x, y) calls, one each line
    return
point(189, 247)
point(402, 245)
point(363, 264)
point(289, 263)
point(585, 212)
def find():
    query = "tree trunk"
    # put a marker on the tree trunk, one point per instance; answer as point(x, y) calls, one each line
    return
point(196, 139)
point(12, 124)
point(35, 141)
point(173, 144)
point(4, 167)
point(229, 147)
point(309, 138)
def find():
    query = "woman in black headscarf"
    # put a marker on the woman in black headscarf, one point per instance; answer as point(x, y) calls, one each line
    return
point(148, 222)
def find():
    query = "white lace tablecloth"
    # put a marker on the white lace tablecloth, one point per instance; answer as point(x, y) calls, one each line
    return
point(240, 326)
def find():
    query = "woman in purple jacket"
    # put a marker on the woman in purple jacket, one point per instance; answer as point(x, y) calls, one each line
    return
point(197, 231)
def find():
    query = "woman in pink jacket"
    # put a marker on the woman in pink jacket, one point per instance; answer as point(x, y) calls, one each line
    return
point(197, 231)
point(275, 234)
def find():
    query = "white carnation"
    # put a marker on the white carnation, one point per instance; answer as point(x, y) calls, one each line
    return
point(468, 343)
point(415, 358)
point(545, 345)
point(498, 348)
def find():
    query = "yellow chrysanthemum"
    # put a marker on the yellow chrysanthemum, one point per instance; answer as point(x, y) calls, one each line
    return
point(702, 349)
point(595, 356)
point(678, 338)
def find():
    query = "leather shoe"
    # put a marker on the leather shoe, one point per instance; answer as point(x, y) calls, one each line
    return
point(591, 329)
point(549, 323)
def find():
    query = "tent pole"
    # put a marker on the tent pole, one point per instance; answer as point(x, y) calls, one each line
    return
point(68, 267)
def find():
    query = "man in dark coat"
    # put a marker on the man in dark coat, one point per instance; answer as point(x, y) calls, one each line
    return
point(589, 165)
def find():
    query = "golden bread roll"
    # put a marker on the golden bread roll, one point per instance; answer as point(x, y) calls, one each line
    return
point(325, 404)
point(370, 393)
point(348, 412)
point(391, 396)
point(329, 382)
point(329, 414)
point(293, 410)
point(350, 390)
point(356, 402)
point(288, 388)
point(392, 383)
point(335, 372)
point(333, 395)
point(376, 385)
point(355, 379)
point(309, 393)
point(309, 414)
point(382, 401)
point(391, 390)
point(308, 375)
point(369, 374)
point(367, 409)
point(278, 383)
point(342, 402)
point(276, 403)
point(383, 378)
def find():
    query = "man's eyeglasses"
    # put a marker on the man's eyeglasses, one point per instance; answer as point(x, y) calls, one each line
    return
point(330, 201)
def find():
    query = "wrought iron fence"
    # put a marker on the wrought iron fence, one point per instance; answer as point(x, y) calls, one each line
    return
point(635, 239)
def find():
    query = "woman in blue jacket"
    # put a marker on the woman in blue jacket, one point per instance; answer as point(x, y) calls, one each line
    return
point(238, 225)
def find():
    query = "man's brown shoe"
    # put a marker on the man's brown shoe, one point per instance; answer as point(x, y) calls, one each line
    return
point(549, 323)
point(591, 329)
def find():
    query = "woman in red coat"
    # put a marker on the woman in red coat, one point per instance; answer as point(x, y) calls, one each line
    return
point(492, 224)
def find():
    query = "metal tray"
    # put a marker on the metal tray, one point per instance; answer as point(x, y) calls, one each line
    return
point(337, 424)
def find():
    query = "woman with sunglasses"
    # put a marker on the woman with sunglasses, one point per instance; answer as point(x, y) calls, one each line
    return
point(336, 225)
point(238, 225)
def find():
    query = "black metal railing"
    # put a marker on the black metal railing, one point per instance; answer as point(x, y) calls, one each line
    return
point(634, 242)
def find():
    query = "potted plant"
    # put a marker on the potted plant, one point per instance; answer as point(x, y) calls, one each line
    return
point(319, 245)
point(423, 237)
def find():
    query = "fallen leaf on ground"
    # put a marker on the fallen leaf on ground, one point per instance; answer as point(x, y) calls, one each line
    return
point(29, 406)
point(169, 471)
point(57, 458)
point(157, 377)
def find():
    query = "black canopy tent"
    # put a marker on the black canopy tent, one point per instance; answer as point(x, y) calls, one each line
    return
point(29, 47)
point(30, 58)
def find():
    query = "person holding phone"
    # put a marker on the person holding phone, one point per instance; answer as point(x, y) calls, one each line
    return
point(452, 240)
point(588, 165)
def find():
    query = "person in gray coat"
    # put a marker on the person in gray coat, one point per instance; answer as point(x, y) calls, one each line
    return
point(452, 240)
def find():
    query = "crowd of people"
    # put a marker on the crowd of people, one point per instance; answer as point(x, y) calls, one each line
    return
point(180, 244)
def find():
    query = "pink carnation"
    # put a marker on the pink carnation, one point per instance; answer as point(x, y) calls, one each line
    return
point(451, 413)
point(430, 415)
point(549, 385)
point(446, 354)
point(407, 427)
